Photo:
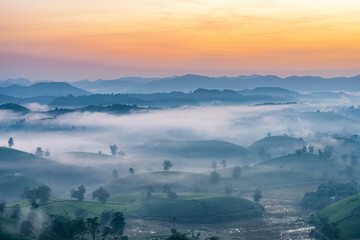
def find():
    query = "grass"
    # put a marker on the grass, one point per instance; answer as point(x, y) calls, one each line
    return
point(200, 209)
point(189, 207)
point(345, 213)
point(12, 186)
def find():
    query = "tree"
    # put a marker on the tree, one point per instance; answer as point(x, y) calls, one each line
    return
point(304, 149)
point(311, 148)
point(223, 163)
point(113, 149)
point(236, 172)
point(2, 206)
point(27, 228)
point(15, 215)
point(44, 193)
point(39, 152)
point(79, 194)
point(61, 227)
point(11, 142)
point(93, 226)
point(105, 217)
point(170, 194)
point(79, 227)
point(106, 232)
point(167, 165)
point(214, 165)
point(101, 194)
point(177, 236)
point(149, 190)
point(214, 177)
point(47, 153)
point(115, 173)
point(257, 195)
point(131, 171)
point(118, 224)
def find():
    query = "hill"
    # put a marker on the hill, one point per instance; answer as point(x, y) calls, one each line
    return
point(200, 209)
point(191, 82)
point(346, 214)
point(209, 149)
point(43, 89)
point(15, 108)
point(12, 186)
point(277, 145)
point(179, 181)
point(44, 170)
point(271, 91)
point(189, 208)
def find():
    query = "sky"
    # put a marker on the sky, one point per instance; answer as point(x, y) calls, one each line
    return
point(63, 40)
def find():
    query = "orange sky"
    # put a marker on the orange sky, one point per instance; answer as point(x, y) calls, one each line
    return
point(72, 40)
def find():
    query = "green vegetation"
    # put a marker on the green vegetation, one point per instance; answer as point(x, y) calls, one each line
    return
point(327, 194)
point(346, 215)
point(279, 144)
point(188, 207)
point(11, 186)
point(200, 209)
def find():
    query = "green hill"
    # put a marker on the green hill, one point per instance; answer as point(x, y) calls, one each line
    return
point(188, 207)
point(209, 149)
point(346, 214)
point(201, 209)
point(44, 170)
point(307, 162)
point(179, 181)
point(12, 186)
point(79, 156)
point(277, 145)
point(15, 108)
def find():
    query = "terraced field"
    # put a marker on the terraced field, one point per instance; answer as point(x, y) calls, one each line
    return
point(346, 214)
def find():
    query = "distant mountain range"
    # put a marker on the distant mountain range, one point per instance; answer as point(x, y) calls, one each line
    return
point(43, 89)
point(191, 82)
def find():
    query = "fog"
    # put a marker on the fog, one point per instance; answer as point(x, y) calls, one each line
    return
point(238, 124)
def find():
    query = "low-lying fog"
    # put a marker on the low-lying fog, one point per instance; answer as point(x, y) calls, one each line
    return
point(242, 125)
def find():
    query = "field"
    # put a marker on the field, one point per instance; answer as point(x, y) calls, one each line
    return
point(345, 213)
point(203, 208)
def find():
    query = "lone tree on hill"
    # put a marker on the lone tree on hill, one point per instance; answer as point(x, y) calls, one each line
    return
point(101, 194)
point(113, 149)
point(257, 195)
point(11, 142)
point(167, 165)
point(39, 152)
point(223, 163)
point(214, 177)
point(42, 193)
point(236, 172)
point(79, 193)
point(170, 194)
point(115, 173)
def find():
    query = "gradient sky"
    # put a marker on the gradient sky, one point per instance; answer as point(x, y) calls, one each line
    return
point(72, 40)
